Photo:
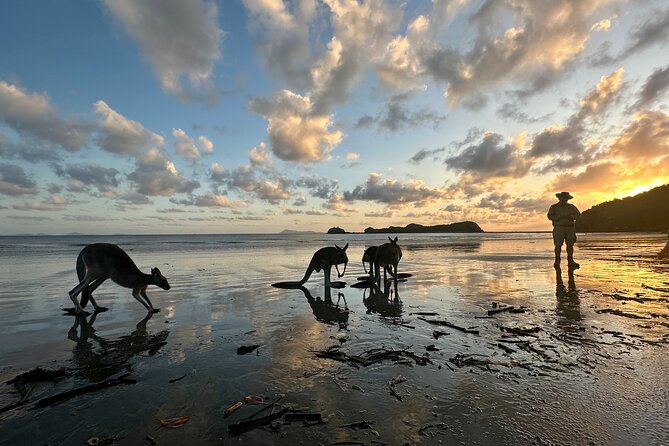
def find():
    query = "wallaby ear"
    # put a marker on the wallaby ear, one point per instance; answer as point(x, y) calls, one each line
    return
point(345, 247)
point(155, 271)
point(395, 240)
point(337, 246)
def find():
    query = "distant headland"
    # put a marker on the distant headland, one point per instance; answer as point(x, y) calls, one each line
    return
point(645, 212)
point(413, 228)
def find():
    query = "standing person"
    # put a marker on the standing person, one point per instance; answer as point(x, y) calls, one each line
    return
point(665, 251)
point(563, 215)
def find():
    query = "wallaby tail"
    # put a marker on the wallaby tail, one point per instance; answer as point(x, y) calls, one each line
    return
point(81, 272)
point(298, 284)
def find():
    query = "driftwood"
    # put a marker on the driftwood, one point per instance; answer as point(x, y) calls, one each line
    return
point(62, 397)
point(362, 424)
point(450, 325)
point(437, 334)
point(392, 383)
point(500, 310)
point(244, 349)
point(247, 425)
point(621, 313)
point(522, 331)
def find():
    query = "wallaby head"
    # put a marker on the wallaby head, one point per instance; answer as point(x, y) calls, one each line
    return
point(159, 279)
point(340, 257)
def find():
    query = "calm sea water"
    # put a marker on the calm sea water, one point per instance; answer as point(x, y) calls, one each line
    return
point(597, 369)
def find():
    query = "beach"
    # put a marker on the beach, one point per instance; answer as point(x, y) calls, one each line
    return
point(580, 361)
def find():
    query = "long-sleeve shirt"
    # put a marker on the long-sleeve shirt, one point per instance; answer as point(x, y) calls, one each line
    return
point(563, 214)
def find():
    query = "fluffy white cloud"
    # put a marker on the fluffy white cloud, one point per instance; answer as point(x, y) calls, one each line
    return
point(118, 134)
point(180, 38)
point(394, 192)
point(205, 144)
point(296, 134)
point(157, 175)
point(185, 145)
point(260, 157)
point(32, 115)
point(281, 35)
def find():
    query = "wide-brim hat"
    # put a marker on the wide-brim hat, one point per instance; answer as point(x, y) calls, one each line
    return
point(566, 195)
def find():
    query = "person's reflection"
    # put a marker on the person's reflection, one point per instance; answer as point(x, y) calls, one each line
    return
point(568, 308)
point(381, 303)
point(324, 309)
point(99, 358)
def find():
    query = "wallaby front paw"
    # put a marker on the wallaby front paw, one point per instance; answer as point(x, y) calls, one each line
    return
point(155, 310)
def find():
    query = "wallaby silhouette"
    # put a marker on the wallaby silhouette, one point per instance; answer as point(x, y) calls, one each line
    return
point(101, 261)
point(323, 259)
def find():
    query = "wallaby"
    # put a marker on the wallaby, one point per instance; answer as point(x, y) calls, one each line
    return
point(368, 257)
point(101, 261)
point(387, 256)
point(323, 259)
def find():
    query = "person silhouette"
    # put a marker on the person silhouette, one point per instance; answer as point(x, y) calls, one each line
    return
point(665, 251)
point(564, 215)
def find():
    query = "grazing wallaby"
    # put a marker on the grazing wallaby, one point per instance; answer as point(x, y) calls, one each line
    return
point(101, 261)
point(387, 256)
point(323, 259)
point(368, 257)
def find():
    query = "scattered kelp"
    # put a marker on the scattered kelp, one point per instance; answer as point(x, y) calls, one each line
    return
point(373, 356)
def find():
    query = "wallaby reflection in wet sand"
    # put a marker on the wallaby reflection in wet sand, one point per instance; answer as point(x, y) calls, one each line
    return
point(379, 302)
point(387, 256)
point(101, 261)
point(110, 357)
point(324, 309)
point(323, 259)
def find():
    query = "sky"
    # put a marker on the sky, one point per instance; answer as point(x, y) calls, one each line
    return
point(255, 116)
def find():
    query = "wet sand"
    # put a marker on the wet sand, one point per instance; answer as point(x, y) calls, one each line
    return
point(592, 366)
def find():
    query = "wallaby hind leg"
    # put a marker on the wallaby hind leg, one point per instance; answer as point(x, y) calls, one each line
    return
point(88, 293)
point(146, 298)
point(75, 292)
point(136, 294)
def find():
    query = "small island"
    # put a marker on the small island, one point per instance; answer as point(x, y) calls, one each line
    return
point(460, 227)
point(336, 230)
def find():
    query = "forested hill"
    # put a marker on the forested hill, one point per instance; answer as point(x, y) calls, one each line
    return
point(648, 211)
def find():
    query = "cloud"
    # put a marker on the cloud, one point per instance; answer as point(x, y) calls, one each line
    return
point(118, 134)
point(318, 186)
point(337, 204)
point(594, 177)
point(212, 201)
point(539, 41)
point(490, 158)
point(206, 146)
point(260, 157)
point(282, 37)
point(393, 192)
point(295, 133)
point(656, 85)
point(31, 115)
point(513, 111)
point(180, 38)
point(300, 201)
point(395, 116)
point(424, 153)
point(27, 151)
point(184, 145)
point(645, 138)
point(103, 178)
point(53, 203)
point(655, 30)
point(156, 175)
point(565, 145)
point(14, 181)
point(274, 191)
point(361, 30)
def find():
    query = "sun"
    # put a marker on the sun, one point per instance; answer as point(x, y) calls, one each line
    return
point(643, 188)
